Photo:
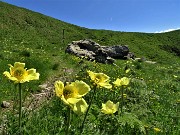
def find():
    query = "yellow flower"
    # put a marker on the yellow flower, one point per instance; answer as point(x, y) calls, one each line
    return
point(109, 107)
point(19, 74)
point(121, 82)
point(72, 94)
point(157, 129)
point(127, 70)
point(125, 95)
point(100, 79)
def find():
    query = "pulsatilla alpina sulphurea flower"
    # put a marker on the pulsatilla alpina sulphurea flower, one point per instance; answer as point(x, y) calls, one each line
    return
point(121, 82)
point(100, 79)
point(157, 129)
point(19, 74)
point(72, 94)
point(109, 107)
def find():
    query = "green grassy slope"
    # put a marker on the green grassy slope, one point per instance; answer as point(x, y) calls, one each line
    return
point(37, 40)
point(28, 28)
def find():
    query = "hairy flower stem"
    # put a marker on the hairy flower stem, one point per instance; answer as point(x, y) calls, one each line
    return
point(122, 99)
point(68, 120)
point(104, 95)
point(93, 94)
point(14, 98)
point(20, 108)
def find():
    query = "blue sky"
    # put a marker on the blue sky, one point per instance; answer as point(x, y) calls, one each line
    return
point(119, 15)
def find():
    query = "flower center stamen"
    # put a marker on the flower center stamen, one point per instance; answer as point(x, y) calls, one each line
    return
point(68, 93)
point(18, 73)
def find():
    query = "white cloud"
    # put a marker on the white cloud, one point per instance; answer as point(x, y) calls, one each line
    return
point(168, 30)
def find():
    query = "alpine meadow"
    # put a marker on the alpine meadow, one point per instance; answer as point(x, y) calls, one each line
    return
point(46, 91)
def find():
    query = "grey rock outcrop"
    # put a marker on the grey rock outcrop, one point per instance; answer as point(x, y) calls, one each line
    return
point(93, 51)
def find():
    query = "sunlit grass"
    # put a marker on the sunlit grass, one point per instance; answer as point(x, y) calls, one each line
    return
point(150, 104)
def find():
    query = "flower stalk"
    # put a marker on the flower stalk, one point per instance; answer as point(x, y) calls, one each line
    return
point(68, 120)
point(122, 99)
point(20, 108)
point(123, 82)
point(19, 74)
point(92, 97)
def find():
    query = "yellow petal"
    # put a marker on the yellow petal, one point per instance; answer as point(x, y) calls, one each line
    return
point(80, 107)
point(109, 107)
point(125, 81)
point(59, 86)
point(64, 100)
point(127, 71)
point(81, 87)
point(121, 82)
point(19, 65)
point(11, 69)
point(116, 106)
point(105, 85)
point(117, 82)
point(106, 110)
point(91, 74)
point(8, 75)
point(157, 129)
point(102, 77)
point(73, 100)
point(32, 75)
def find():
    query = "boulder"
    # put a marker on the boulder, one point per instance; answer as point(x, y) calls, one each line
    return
point(117, 51)
point(93, 51)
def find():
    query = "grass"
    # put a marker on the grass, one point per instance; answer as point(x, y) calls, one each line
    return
point(152, 97)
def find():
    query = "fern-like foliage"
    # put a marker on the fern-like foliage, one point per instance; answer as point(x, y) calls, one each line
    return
point(130, 120)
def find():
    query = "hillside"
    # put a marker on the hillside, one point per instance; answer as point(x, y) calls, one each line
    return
point(41, 31)
point(38, 41)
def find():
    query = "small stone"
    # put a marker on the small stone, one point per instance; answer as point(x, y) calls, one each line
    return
point(43, 86)
point(150, 62)
point(5, 104)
